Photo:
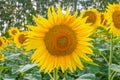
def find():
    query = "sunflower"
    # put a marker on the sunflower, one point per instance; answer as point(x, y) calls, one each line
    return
point(93, 17)
point(13, 31)
point(5, 40)
point(1, 57)
point(113, 13)
point(103, 21)
point(1, 43)
point(20, 38)
point(61, 41)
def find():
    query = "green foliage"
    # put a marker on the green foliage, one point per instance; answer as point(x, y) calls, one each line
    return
point(87, 76)
point(17, 65)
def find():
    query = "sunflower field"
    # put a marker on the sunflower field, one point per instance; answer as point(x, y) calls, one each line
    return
point(59, 39)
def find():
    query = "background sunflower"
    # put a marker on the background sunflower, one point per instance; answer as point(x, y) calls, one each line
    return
point(1, 43)
point(113, 17)
point(93, 17)
point(1, 57)
point(19, 39)
point(13, 31)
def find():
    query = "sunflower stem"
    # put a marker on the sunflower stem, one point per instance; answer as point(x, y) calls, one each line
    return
point(104, 58)
point(50, 76)
point(110, 57)
point(1, 70)
point(0, 75)
point(55, 74)
point(113, 75)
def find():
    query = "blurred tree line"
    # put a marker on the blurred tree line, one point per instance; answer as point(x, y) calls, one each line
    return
point(18, 13)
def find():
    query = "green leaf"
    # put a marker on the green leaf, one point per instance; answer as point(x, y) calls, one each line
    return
point(116, 40)
point(88, 76)
point(3, 68)
point(88, 62)
point(115, 67)
point(12, 56)
point(8, 79)
point(26, 68)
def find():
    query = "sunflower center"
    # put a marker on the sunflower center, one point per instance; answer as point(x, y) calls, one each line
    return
point(116, 19)
point(91, 17)
point(14, 32)
point(22, 38)
point(60, 40)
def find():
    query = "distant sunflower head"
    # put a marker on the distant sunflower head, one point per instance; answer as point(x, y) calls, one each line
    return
point(10, 40)
point(104, 21)
point(60, 41)
point(19, 39)
point(113, 13)
point(1, 43)
point(5, 40)
point(13, 31)
point(2, 57)
point(93, 17)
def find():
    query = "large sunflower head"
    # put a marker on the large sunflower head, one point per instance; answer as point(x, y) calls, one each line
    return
point(113, 13)
point(60, 41)
point(13, 31)
point(1, 43)
point(93, 17)
point(19, 39)
point(2, 57)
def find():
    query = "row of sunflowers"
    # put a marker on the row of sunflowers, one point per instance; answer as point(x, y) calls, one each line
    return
point(64, 42)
